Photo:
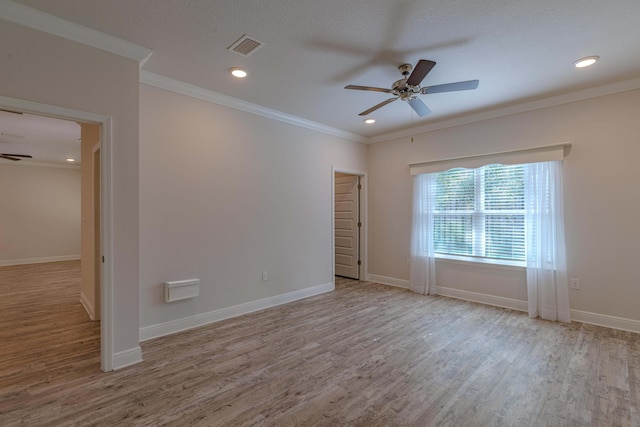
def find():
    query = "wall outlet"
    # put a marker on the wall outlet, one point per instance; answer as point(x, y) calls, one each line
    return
point(408, 262)
point(574, 283)
point(265, 276)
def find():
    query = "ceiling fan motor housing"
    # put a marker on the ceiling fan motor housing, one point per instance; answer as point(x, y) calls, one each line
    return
point(405, 69)
point(403, 90)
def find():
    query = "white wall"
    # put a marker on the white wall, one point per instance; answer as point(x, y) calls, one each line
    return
point(601, 194)
point(50, 70)
point(39, 214)
point(225, 195)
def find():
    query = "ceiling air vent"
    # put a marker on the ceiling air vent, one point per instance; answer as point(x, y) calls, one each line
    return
point(245, 45)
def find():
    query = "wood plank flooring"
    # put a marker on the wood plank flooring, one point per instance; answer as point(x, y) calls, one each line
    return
point(46, 336)
point(364, 355)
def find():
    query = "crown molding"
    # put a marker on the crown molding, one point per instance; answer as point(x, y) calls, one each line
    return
point(187, 89)
point(36, 19)
point(552, 101)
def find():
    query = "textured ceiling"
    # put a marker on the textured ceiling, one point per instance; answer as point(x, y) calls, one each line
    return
point(520, 50)
point(46, 139)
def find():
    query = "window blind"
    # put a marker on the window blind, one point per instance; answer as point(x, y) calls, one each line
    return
point(480, 212)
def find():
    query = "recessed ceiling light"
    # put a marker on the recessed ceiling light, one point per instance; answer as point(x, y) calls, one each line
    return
point(585, 62)
point(69, 159)
point(238, 72)
point(369, 121)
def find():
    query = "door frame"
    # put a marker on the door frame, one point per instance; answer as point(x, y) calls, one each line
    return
point(96, 184)
point(106, 213)
point(363, 269)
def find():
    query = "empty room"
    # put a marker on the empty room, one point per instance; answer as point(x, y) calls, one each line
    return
point(406, 213)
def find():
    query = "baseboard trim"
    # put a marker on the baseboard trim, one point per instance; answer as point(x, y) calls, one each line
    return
point(125, 358)
point(23, 261)
point(88, 306)
point(607, 321)
point(487, 299)
point(178, 325)
point(596, 319)
point(391, 281)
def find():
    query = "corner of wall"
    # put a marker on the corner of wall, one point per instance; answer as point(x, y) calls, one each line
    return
point(125, 358)
point(88, 305)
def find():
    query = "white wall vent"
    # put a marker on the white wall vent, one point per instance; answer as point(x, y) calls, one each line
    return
point(245, 45)
point(181, 289)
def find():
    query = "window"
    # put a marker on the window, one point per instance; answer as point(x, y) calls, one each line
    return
point(507, 214)
point(480, 212)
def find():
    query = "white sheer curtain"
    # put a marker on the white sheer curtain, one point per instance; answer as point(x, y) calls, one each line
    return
point(547, 286)
point(423, 270)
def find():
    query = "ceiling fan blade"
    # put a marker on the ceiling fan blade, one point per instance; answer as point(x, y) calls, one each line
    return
point(451, 87)
point(373, 89)
point(375, 107)
point(419, 107)
point(11, 111)
point(420, 71)
point(14, 157)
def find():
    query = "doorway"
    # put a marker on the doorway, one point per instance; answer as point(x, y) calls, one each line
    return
point(100, 180)
point(348, 225)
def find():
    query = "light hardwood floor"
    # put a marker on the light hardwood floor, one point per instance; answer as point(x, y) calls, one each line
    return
point(364, 355)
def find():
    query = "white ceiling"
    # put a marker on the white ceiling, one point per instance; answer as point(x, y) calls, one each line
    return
point(46, 139)
point(520, 50)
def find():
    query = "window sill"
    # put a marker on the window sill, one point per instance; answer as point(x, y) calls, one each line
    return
point(484, 262)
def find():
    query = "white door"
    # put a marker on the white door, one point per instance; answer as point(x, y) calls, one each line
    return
point(347, 225)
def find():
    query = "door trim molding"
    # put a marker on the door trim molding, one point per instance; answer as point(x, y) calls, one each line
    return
point(363, 218)
point(97, 257)
point(106, 325)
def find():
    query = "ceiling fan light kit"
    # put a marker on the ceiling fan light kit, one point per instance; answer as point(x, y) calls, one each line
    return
point(408, 88)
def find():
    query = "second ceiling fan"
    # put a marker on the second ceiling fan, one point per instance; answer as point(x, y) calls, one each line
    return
point(408, 88)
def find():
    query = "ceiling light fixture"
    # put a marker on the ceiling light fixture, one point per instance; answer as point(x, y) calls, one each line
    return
point(369, 121)
point(586, 61)
point(69, 159)
point(238, 72)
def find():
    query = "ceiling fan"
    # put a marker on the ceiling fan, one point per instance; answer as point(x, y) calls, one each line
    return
point(14, 157)
point(408, 88)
